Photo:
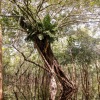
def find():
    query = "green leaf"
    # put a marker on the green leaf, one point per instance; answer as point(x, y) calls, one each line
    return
point(49, 33)
point(46, 22)
point(5, 20)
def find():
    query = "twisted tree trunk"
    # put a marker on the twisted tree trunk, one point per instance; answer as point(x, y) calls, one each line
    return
point(44, 48)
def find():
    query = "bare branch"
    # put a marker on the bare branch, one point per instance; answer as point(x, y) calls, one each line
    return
point(50, 5)
point(25, 58)
point(10, 15)
point(40, 6)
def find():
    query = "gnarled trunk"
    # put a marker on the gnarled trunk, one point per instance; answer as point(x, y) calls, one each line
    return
point(44, 48)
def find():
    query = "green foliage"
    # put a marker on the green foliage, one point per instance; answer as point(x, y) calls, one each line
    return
point(76, 50)
point(5, 20)
point(80, 47)
point(46, 22)
point(42, 29)
point(95, 2)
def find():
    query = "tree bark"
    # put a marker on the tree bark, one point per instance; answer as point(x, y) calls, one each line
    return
point(98, 77)
point(85, 82)
point(44, 48)
point(1, 96)
point(0, 64)
point(52, 88)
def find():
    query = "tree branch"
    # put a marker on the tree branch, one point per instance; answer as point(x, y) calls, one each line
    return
point(25, 58)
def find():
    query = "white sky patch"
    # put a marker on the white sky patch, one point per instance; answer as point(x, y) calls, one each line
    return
point(57, 15)
point(97, 35)
point(45, 5)
point(62, 12)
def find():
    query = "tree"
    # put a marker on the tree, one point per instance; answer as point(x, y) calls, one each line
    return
point(81, 47)
point(42, 32)
point(1, 97)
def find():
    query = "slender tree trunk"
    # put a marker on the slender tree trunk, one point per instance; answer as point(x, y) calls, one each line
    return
point(44, 48)
point(44, 86)
point(85, 82)
point(74, 76)
point(1, 96)
point(82, 82)
point(98, 78)
point(0, 64)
